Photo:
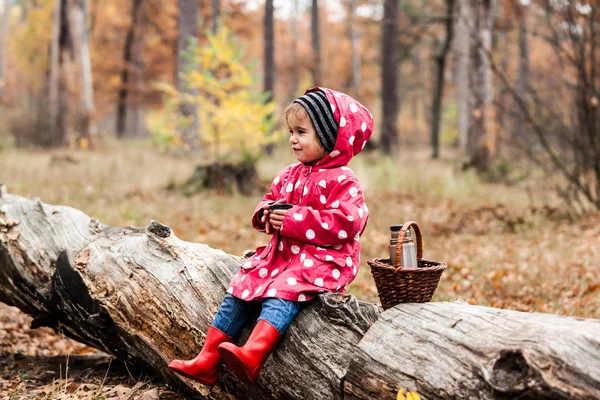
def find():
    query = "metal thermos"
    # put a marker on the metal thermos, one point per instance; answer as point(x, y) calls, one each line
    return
point(409, 249)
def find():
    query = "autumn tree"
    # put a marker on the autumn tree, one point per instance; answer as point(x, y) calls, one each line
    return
point(4, 5)
point(187, 32)
point(353, 36)
point(237, 119)
point(316, 42)
point(269, 49)
point(389, 76)
point(564, 141)
point(215, 15)
point(479, 145)
point(131, 73)
point(523, 71)
point(440, 64)
point(70, 59)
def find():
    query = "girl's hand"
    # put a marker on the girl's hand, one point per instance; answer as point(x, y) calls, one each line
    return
point(276, 218)
point(266, 217)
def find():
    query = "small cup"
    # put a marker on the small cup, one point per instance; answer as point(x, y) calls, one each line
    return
point(280, 206)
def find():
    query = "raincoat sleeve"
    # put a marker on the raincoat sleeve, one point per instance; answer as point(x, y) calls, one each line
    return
point(343, 220)
point(269, 198)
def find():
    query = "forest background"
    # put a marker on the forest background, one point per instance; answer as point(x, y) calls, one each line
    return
point(487, 134)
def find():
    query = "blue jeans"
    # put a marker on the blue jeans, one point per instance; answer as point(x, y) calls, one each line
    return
point(234, 313)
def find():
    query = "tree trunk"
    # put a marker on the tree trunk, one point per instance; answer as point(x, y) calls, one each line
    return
point(502, 98)
point(316, 42)
point(457, 351)
point(130, 42)
point(355, 48)
point(80, 30)
point(523, 77)
point(269, 50)
point(293, 89)
point(478, 146)
point(215, 15)
point(147, 297)
point(62, 60)
point(188, 29)
point(136, 107)
point(461, 62)
point(440, 61)
point(389, 76)
point(3, 43)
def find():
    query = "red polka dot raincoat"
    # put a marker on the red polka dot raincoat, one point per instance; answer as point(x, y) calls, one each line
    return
point(318, 246)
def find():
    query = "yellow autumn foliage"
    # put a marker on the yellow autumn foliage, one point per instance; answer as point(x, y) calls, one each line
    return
point(408, 395)
point(235, 120)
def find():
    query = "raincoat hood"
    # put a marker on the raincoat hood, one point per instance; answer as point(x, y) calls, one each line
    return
point(355, 124)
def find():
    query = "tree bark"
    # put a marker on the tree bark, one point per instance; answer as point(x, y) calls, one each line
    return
point(294, 81)
point(389, 76)
point(147, 297)
point(461, 62)
point(355, 48)
point(478, 146)
point(269, 50)
point(60, 74)
point(457, 351)
point(440, 61)
point(131, 40)
point(188, 29)
point(215, 15)
point(316, 42)
point(3, 43)
point(87, 109)
point(523, 76)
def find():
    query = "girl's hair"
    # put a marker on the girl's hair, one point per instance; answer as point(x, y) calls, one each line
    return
point(300, 112)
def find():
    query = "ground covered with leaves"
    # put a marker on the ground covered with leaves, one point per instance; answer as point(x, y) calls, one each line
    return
point(510, 245)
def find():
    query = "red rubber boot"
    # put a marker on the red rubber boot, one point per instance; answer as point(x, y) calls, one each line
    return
point(204, 367)
point(246, 361)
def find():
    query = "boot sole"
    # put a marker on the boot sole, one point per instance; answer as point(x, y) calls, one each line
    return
point(192, 377)
point(236, 365)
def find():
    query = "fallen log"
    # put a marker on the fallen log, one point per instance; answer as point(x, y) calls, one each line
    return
point(147, 297)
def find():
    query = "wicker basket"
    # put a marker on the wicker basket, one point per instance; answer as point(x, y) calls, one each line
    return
point(396, 284)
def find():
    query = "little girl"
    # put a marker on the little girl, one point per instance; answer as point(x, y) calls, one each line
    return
point(315, 245)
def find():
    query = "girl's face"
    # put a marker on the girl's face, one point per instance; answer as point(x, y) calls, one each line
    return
point(303, 138)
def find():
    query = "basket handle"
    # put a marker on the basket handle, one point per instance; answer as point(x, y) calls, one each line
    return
point(418, 237)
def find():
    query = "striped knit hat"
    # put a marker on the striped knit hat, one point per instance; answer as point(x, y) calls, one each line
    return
point(319, 110)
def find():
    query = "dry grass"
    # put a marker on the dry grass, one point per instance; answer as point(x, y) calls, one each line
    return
point(507, 246)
